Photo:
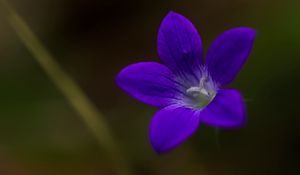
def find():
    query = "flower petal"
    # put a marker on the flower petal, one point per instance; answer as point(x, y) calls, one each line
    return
point(171, 126)
point(228, 54)
point(227, 110)
point(150, 83)
point(179, 45)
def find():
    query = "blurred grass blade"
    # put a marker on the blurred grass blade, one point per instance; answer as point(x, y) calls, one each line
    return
point(68, 87)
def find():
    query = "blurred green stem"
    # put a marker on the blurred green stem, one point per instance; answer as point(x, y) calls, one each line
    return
point(68, 87)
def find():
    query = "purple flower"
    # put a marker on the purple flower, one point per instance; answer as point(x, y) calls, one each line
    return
point(187, 89)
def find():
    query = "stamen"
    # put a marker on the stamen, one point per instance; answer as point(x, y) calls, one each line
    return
point(197, 91)
point(204, 92)
point(201, 95)
point(193, 91)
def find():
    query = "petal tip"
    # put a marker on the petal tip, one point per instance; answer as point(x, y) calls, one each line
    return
point(172, 13)
point(246, 31)
point(160, 148)
point(174, 16)
point(118, 79)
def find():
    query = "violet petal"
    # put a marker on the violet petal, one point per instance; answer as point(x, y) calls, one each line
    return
point(149, 82)
point(227, 110)
point(228, 54)
point(171, 126)
point(179, 46)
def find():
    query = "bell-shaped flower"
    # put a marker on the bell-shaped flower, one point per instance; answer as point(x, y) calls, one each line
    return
point(187, 88)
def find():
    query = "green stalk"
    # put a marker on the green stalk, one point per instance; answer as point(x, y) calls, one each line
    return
point(93, 119)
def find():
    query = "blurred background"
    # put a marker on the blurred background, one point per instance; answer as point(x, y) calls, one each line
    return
point(40, 133)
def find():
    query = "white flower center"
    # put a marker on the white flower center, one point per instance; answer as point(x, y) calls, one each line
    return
point(201, 95)
point(197, 91)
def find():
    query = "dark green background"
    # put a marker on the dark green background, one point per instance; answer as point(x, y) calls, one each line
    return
point(40, 133)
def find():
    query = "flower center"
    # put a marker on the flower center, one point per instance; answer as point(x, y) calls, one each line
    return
point(201, 95)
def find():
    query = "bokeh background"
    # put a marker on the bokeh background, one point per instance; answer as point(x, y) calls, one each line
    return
point(41, 134)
